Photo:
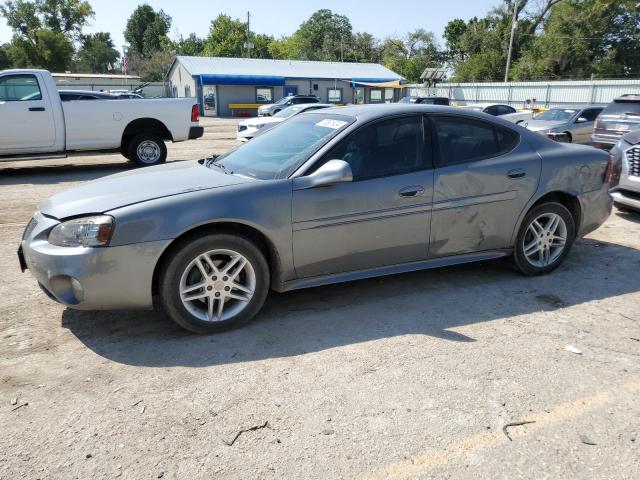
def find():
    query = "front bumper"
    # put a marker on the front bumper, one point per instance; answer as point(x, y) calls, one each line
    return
point(195, 132)
point(627, 198)
point(91, 278)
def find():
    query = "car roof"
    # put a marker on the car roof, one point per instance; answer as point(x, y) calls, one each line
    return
point(372, 111)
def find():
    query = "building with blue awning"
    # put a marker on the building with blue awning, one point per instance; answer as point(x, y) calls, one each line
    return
point(227, 86)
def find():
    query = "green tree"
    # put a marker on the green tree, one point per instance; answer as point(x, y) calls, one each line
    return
point(580, 39)
point(410, 55)
point(146, 30)
point(96, 52)
point(191, 46)
point(324, 36)
point(477, 49)
point(227, 37)
point(4, 58)
point(44, 31)
point(364, 48)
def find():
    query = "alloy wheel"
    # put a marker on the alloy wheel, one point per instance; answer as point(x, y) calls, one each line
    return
point(217, 285)
point(545, 240)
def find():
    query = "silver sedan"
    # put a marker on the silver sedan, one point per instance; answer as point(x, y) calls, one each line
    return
point(330, 196)
point(566, 124)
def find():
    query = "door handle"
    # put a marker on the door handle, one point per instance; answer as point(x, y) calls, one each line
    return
point(517, 173)
point(36, 109)
point(412, 191)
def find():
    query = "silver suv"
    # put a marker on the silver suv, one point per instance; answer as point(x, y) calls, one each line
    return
point(272, 109)
point(618, 118)
point(626, 195)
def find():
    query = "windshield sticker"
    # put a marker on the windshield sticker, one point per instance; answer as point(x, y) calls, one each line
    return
point(330, 123)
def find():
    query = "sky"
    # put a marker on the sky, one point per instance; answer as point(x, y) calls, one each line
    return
point(282, 17)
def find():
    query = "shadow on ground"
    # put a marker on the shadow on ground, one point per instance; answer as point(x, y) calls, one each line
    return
point(430, 303)
point(52, 174)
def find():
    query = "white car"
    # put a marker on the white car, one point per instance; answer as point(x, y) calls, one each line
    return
point(247, 129)
point(36, 122)
point(503, 111)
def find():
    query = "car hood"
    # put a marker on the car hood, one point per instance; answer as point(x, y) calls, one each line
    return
point(135, 186)
point(538, 125)
point(252, 122)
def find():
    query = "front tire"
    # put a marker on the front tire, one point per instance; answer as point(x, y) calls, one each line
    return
point(214, 283)
point(544, 239)
point(147, 149)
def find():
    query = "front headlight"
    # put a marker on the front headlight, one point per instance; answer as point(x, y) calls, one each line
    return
point(83, 232)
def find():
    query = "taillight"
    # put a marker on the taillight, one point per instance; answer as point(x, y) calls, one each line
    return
point(195, 113)
point(613, 171)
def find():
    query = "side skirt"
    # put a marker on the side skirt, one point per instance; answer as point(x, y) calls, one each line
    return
point(310, 282)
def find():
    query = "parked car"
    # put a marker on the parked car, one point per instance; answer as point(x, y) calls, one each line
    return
point(626, 172)
point(272, 109)
point(329, 196)
point(36, 123)
point(619, 117)
point(247, 129)
point(500, 110)
point(427, 100)
point(566, 124)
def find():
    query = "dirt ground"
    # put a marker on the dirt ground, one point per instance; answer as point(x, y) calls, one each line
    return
point(409, 376)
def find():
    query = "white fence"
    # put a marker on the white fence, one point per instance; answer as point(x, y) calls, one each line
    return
point(545, 94)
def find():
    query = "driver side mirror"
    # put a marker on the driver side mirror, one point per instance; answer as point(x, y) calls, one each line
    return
point(581, 120)
point(331, 173)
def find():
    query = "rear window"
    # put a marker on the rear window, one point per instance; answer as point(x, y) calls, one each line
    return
point(621, 107)
point(464, 139)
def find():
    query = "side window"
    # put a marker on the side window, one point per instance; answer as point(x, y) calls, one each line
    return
point(505, 109)
point(17, 88)
point(463, 139)
point(493, 110)
point(591, 114)
point(389, 147)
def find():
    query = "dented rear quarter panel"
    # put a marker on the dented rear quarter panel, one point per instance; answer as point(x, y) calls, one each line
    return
point(576, 170)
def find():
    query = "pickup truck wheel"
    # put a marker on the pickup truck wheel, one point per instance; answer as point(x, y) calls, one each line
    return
point(147, 149)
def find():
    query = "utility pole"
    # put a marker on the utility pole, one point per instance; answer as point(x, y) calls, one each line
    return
point(248, 35)
point(514, 25)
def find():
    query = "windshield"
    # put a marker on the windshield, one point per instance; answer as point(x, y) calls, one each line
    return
point(622, 108)
point(283, 100)
point(408, 100)
point(280, 151)
point(289, 112)
point(556, 115)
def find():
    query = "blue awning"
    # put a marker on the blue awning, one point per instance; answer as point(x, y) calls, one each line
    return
point(255, 80)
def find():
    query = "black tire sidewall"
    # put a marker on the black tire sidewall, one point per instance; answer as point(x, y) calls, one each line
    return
point(132, 149)
point(171, 272)
point(519, 258)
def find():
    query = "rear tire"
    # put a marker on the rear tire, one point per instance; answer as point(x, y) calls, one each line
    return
point(147, 149)
point(544, 239)
point(204, 291)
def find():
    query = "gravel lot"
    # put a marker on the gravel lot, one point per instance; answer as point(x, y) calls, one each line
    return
point(410, 376)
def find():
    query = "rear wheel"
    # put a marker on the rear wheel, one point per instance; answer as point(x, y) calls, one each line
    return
point(146, 149)
point(544, 240)
point(214, 283)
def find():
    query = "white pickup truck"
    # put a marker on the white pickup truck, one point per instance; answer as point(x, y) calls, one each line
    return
point(35, 122)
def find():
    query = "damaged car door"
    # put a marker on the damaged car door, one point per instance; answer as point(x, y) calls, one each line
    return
point(484, 177)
